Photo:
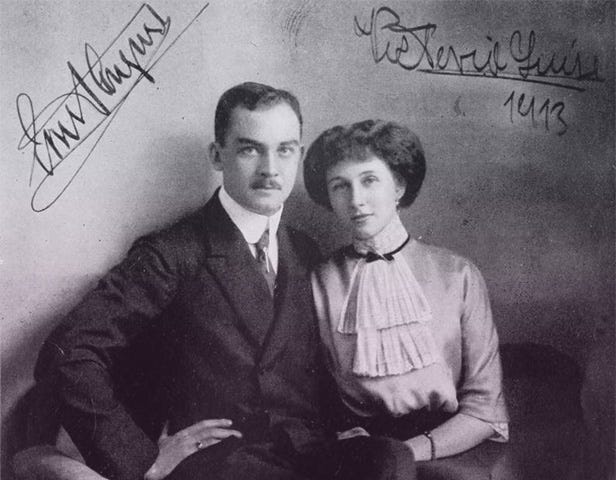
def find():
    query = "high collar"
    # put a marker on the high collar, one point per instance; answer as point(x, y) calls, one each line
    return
point(250, 224)
point(387, 240)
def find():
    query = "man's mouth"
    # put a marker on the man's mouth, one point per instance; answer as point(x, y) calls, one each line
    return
point(267, 185)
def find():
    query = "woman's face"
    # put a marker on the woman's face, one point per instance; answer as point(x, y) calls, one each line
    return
point(363, 195)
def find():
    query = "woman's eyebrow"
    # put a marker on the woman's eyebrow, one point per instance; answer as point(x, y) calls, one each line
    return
point(336, 179)
point(365, 172)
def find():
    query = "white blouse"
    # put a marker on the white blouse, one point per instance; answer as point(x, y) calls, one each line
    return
point(461, 325)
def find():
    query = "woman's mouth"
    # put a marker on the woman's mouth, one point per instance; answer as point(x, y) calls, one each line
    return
point(360, 218)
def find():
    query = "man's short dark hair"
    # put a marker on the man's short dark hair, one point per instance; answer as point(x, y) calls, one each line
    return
point(250, 95)
point(393, 143)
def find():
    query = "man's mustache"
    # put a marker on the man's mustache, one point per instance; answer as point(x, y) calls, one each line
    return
point(266, 183)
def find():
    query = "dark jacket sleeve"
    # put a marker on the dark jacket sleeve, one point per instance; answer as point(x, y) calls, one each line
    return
point(79, 358)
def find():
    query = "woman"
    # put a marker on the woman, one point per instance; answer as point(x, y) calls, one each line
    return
point(407, 327)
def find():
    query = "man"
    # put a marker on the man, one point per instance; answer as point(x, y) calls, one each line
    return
point(226, 293)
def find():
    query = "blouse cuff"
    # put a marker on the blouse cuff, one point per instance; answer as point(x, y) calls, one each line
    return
point(501, 431)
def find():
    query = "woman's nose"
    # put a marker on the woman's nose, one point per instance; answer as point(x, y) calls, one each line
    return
point(357, 197)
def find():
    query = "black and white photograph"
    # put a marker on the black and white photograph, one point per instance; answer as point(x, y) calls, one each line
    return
point(307, 240)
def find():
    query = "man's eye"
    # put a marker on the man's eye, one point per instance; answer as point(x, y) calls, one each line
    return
point(248, 151)
point(337, 187)
point(286, 151)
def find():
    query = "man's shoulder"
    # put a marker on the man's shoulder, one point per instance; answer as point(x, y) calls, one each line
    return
point(182, 232)
point(180, 245)
point(300, 237)
point(191, 229)
point(304, 246)
point(336, 264)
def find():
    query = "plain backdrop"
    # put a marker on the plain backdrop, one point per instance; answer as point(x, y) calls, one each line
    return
point(533, 209)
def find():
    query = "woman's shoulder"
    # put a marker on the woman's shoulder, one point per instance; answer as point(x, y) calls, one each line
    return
point(440, 258)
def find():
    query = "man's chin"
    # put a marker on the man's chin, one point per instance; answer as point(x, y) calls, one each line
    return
point(269, 199)
point(266, 208)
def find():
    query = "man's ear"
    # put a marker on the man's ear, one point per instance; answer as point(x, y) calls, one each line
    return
point(214, 151)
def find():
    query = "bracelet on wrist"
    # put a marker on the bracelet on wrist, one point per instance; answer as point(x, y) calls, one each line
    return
point(428, 435)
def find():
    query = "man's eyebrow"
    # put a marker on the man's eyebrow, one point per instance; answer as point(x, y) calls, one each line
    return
point(287, 143)
point(248, 141)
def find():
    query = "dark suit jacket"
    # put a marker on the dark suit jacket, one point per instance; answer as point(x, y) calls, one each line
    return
point(224, 348)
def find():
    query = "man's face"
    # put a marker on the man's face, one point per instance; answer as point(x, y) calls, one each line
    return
point(260, 157)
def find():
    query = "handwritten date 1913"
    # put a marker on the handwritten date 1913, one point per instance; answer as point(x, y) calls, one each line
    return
point(547, 114)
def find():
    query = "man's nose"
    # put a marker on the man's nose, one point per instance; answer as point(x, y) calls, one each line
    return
point(268, 166)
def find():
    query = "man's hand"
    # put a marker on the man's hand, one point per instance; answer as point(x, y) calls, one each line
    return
point(352, 432)
point(175, 448)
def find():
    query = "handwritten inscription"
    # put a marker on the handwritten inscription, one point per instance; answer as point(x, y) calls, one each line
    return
point(413, 48)
point(82, 115)
point(547, 113)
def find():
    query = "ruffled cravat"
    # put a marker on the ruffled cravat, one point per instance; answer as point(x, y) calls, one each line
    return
point(386, 309)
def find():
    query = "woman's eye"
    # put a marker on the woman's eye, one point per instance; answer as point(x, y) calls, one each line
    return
point(370, 180)
point(337, 186)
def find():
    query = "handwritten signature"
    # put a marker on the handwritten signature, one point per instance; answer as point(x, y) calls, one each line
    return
point(56, 132)
point(411, 48)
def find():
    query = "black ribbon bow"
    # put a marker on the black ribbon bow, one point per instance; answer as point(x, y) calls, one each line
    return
point(371, 256)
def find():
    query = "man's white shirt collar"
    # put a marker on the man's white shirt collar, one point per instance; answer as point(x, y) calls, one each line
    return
point(252, 225)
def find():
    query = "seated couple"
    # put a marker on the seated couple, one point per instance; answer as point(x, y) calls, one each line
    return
point(254, 328)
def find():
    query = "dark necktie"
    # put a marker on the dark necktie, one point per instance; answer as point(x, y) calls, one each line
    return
point(264, 262)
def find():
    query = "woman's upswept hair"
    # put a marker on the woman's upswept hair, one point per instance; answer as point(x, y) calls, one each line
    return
point(393, 143)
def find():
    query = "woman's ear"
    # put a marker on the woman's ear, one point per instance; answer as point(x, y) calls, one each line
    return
point(400, 187)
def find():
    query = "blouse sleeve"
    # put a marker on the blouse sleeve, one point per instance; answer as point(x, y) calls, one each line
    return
point(480, 391)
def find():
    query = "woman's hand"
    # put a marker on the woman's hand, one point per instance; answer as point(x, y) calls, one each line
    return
point(172, 449)
point(430, 387)
point(458, 434)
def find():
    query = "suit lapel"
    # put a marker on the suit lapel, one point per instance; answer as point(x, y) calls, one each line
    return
point(292, 293)
point(235, 269)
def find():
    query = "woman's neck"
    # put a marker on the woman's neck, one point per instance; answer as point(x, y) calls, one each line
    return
point(387, 240)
